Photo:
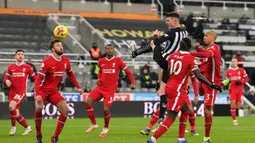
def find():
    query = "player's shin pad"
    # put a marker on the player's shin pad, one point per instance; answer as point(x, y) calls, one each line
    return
point(162, 106)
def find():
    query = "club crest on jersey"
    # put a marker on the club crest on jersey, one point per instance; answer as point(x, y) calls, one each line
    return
point(113, 65)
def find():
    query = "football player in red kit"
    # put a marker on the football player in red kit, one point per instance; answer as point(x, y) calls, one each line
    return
point(107, 82)
point(238, 77)
point(192, 115)
point(46, 88)
point(180, 64)
point(16, 79)
point(211, 70)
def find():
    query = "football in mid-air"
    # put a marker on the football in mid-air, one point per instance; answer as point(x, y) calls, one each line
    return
point(60, 32)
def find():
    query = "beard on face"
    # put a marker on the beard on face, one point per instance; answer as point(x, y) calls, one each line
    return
point(19, 60)
point(58, 52)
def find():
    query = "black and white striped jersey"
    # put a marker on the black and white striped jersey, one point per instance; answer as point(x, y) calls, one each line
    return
point(170, 41)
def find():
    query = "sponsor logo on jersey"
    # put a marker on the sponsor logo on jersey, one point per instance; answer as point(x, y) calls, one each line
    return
point(18, 74)
point(109, 71)
point(58, 74)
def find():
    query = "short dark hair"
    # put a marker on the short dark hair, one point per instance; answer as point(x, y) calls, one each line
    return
point(173, 14)
point(19, 50)
point(185, 44)
point(108, 45)
point(53, 42)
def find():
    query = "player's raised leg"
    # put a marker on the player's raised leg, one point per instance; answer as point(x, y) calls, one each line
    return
point(63, 108)
point(39, 102)
point(13, 116)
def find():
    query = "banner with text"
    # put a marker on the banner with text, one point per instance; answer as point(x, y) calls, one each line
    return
point(119, 109)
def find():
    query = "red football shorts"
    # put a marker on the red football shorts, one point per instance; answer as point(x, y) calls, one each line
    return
point(235, 95)
point(98, 93)
point(209, 95)
point(53, 97)
point(175, 100)
point(17, 97)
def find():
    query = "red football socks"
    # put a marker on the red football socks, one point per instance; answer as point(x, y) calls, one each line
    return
point(60, 125)
point(192, 118)
point(22, 121)
point(154, 119)
point(13, 115)
point(208, 125)
point(90, 111)
point(107, 116)
point(182, 125)
point(38, 122)
point(163, 128)
point(233, 113)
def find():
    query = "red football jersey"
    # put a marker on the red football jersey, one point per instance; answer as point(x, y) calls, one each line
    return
point(180, 65)
point(110, 69)
point(211, 66)
point(53, 71)
point(237, 74)
point(18, 75)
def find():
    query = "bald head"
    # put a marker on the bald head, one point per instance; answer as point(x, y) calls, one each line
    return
point(210, 37)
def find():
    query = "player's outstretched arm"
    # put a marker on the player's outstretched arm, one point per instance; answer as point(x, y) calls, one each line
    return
point(131, 77)
point(206, 54)
point(201, 78)
point(198, 47)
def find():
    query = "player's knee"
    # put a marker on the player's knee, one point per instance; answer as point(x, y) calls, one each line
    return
point(12, 106)
point(89, 101)
point(160, 92)
point(172, 114)
point(207, 112)
point(39, 99)
point(233, 106)
point(65, 111)
point(163, 99)
point(106, 108)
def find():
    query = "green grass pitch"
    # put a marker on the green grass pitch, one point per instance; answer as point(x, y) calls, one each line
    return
point(126, 130)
